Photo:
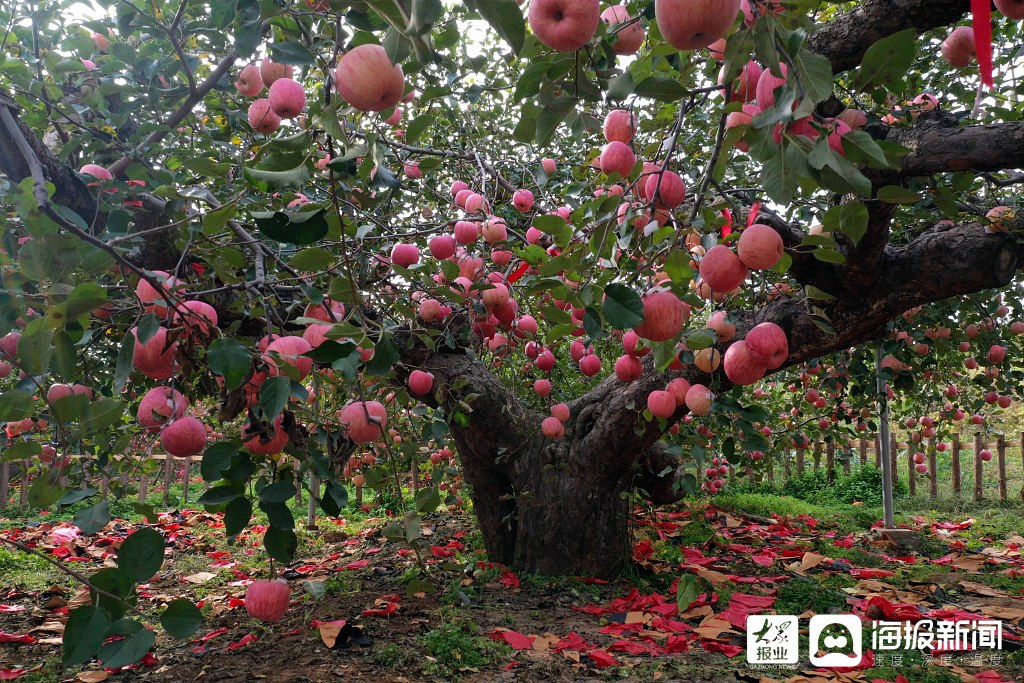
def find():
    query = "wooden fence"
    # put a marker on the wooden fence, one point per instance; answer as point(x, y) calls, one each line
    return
point(964, 464)
point(964, 460)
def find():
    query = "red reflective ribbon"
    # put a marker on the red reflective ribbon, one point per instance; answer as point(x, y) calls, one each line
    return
point(981, 14)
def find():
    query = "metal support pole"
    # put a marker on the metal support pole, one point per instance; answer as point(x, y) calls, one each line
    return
point(883, 437)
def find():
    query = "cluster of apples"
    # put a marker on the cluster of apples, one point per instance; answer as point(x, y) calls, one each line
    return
point(959, 49)
point(715, 476)
point(286, 98)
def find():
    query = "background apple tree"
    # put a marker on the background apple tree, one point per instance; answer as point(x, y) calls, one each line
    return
point(531, 264)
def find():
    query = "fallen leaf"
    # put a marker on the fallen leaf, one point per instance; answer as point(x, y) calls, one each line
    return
point(92, 676)
point(201, 577)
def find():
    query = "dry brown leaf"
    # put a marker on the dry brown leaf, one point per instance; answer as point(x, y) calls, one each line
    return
point(571, 655)
point(545, 642)
point(92, 676)
point(200, 577)
point(1012, 614)
point(638, 618)
point(981, 589)
point(970, 563)
point(715, 578)
point(812, 560)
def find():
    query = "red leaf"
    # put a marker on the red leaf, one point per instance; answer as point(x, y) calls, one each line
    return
point(764, 558)
point(870, 573)
point(509, 579)
point(715, 646)
point(11, 674)
point(514, 639)
point(6, 637)
point(245, 640)
point(213, 634)
point(357, 564)
point(12, 608)
point(601, 659)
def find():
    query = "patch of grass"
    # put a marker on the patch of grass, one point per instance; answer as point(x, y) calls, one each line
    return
point(823, 595)
point(27, 572)
point(457, 646)
point(846, 517)
point(51, 671)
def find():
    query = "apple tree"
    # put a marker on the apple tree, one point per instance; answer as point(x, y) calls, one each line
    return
point(547, 247)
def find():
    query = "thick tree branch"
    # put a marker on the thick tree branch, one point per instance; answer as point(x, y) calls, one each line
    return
point(937, 144)
point(845, 39)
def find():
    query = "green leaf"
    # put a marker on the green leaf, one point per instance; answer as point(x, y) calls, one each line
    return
point(93, 518)
point(113, 583)
point(894, 194)
point(181, 618)
point(781, 172)
point(15, 405)
point(123, 367)
point(102, 414)
point(660, 88)
point(237, 514)
point(230, 360)
point(829, 256)
point(278, 492)
point(72, 497)
point(701, 339)
point(217, 458)
point(281, 544)
point(505, 17)
point(45, 491)
point(861, 148)
point(129, 649)
point(214, 221)
point(385, 355)
point(274, 395)
point(82, 299)
point(687, 590)
point(815, 74)
point(83, 634)
point(291, 53)
point(623, 308)
point(312, 259)
point(21, 450)
point(887, 61)
point(248, 27)
point(427, 499)
point(141, 555)
point(218, 495)
point(852, 220)
point(299, 229)
point(35, 348)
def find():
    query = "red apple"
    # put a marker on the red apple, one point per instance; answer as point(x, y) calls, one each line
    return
point(287, 98)
point(667, 188)
point(159, 405)
point(759, 247)
point(699, 399)
point(627, 35)
point(958, 48)
point(249, 81)
point(619, 126)
point(767, 84)
point(768, 346)
point(420, 382)
point(271, 71)
point(740, 368)
point(1012, 9)
point(184, 437)
point(661, 404)
point(267, 600)
point(628, 368)
point(405, 255)
point(617, 157)
point(262, 117)
point(693, 24)
point(664, 316)
point(522, 200)
point(367, 80)
point(552, 428)
point(721, 269)
point(564, 25)
point(365, 421)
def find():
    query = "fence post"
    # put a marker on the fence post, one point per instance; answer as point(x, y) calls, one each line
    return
point(168, 464)
point(1001, 457)
point(830, 461)
point(143, 487)
point(5, 484)
point(817, 455)
point(185, 480)
point(979, 466)
point(933, 478)
point(314, 491)
point(878, 451)
point(799, 461)
point(359, 495)
point(911, 472)
point(847, 456)
point(23, 492)
point(954, 464)
point(894, 456)
point(863, 450)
